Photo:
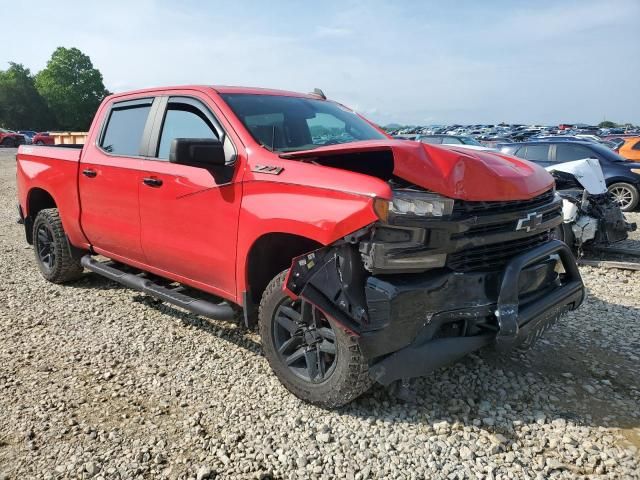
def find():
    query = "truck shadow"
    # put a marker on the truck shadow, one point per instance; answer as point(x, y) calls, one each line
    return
point(586, 375)
point(230, 331)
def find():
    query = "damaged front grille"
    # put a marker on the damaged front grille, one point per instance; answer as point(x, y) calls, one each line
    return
point(463, 208)
point(494, 256)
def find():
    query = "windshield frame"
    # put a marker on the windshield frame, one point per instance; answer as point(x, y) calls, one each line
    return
point(351, 119)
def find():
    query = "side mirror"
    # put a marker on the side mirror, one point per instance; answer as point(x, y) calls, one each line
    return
point(197, 152)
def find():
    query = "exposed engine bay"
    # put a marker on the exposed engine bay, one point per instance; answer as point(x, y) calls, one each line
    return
point(591, 217)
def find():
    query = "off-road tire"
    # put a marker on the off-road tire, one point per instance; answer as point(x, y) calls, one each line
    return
point(635, 196)
point(65, 267)
point(349, 380)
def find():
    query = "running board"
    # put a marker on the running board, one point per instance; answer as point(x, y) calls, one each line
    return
point(218, 311)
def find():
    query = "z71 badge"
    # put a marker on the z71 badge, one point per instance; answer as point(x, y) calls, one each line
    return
point(270, 169)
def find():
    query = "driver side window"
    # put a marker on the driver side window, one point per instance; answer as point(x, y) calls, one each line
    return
point(183, 121)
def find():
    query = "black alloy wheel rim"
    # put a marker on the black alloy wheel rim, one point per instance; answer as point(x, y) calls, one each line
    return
point(304, 340)
point(45, 246)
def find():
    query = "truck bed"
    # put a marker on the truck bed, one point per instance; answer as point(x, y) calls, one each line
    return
point(54, 170)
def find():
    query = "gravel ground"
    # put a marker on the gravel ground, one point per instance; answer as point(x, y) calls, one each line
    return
point(97, 381)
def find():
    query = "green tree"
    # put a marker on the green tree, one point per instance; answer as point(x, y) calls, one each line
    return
point(607, 124)
point(72, 88)
point(21, 106)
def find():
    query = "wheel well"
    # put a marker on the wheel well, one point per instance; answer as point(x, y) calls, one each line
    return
point(271, 254)
point(37, 200)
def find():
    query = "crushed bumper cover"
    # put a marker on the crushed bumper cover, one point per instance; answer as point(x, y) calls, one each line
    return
point(408, 325)
point(521, 313)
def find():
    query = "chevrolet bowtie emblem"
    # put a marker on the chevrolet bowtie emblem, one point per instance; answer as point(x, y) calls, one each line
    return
point(531, 222)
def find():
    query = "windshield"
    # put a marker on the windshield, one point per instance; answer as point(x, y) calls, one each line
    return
point(287, 124)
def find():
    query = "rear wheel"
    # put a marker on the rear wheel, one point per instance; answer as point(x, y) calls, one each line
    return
point(9, 142)
point(626, 195)
point(310, 354)
point(39, 142)
point(52, 249)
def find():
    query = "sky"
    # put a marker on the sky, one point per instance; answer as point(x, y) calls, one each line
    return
point(407, 62)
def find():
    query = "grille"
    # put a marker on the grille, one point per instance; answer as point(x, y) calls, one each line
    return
point(493, 257)
point(463, 208)
point(509, 226)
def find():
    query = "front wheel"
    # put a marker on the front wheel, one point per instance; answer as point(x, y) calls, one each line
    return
point(313, 357)
point(52, 249)
point(625, 195)
point(9, 142)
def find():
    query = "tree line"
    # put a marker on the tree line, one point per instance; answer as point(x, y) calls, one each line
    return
point(63, 96)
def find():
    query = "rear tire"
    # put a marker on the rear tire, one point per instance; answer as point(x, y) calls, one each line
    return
point(9, 143)
point(626, 195)
point(52, 249)
point(338, 377)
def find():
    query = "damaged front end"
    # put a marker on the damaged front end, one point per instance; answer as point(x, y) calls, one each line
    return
point(436, 279)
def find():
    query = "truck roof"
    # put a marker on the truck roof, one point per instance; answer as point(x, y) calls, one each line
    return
point(222, 89)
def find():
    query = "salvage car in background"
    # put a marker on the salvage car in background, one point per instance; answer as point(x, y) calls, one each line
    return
point(621, 176)
point(629, 148)
point(28, 136)
point(592, 218)
point(43, 138)
point(9, 138)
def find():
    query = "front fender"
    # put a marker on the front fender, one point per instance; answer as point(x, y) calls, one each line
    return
point(319, 214)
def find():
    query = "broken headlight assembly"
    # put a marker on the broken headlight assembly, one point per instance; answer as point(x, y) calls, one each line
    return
point(402, 249)
point(421, 204)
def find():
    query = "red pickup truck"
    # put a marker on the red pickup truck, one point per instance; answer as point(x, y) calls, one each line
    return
point(360, 257)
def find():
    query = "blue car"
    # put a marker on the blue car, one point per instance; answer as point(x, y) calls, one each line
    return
point(622, 176)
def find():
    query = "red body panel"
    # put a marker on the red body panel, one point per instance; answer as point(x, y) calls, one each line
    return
point(54, 170)
point(200, 233)
point(454, 172)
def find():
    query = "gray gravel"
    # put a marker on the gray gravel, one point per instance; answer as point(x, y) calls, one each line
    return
point(97, 381)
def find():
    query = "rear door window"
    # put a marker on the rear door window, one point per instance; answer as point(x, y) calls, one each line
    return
point(124, 130)
point(567, 152)
point(535, 153)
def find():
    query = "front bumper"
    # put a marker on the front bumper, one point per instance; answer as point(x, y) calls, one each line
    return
point(417, 326)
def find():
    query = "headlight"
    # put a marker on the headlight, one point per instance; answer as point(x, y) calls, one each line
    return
point(421, 204)
point(636, 170)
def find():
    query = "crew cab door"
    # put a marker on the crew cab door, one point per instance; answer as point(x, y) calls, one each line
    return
point(189, 215)
point(109, 180)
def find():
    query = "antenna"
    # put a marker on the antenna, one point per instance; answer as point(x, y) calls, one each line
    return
point(320, 93)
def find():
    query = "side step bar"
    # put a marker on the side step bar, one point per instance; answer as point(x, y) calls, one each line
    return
point(218, 311)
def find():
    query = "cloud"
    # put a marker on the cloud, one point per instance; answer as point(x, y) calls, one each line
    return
point(414, 62)
point(333, 32)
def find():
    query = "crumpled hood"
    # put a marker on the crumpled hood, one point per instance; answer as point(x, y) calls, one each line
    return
point(453, 172)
